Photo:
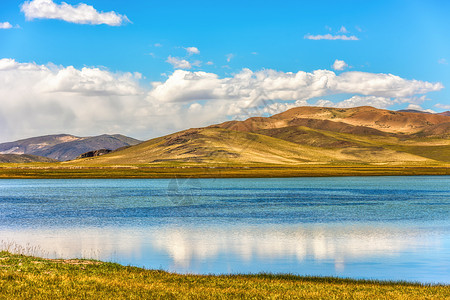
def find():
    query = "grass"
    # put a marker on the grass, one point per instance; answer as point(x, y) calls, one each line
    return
point(175, 170)
point(28, 277)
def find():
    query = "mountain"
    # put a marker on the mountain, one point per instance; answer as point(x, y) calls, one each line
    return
point(445, 113)
point(217, 145)
point(365, 116)
point(298, 136)
point(64, 147)
point(414, 111)
point(23, 158)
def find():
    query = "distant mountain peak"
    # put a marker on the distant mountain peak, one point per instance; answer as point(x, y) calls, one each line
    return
point(65, 146)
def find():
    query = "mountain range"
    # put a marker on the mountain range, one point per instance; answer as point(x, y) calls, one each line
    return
point(298, 136)
point(301, 135)
point(63, 147)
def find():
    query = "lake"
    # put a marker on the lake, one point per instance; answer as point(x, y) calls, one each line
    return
point(390, 228)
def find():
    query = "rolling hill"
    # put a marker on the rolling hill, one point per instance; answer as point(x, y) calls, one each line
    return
point(300, 136)
point(65, 147)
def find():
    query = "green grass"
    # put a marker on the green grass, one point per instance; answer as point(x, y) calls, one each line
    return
point(27, 277)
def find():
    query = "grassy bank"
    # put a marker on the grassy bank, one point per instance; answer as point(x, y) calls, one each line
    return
point(24, 277)
point(61, 170)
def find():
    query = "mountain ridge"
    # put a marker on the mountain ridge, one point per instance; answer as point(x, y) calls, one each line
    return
point(291, 138)
point(65, 147)
point(299, 135)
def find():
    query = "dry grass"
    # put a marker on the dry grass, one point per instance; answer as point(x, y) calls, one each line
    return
point(28, 277)
point(218, 171)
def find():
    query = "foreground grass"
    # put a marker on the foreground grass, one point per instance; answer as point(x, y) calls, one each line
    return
point(26, 277)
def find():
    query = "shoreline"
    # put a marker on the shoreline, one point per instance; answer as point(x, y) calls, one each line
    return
point(169, 172)
point(29, 276)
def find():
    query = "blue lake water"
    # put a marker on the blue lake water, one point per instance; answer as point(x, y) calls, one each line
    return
point(361, 227)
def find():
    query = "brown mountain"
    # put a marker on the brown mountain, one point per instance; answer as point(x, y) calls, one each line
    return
point(362, 120)
point(300, 135)
point(438, 130)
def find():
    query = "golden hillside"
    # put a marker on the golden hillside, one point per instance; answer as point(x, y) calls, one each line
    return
point(298, 136)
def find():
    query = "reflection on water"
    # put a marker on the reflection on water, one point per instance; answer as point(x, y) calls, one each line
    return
point(383, 228)
point(349, 251)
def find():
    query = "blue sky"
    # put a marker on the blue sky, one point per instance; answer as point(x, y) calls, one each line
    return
point(132, 61)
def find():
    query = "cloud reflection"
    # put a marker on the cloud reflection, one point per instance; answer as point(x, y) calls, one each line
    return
point(181, 247)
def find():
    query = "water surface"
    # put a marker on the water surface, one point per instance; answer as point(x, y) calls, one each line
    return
point(360, 227)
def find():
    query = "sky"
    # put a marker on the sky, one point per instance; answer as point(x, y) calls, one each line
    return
point(149, 68)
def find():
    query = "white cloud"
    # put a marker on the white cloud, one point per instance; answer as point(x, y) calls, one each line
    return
point(442, 106)
point(270, 84)
point(343, 30)
point(158, 45)
point(45, 99)
point(192, 50)
point(80, 14)
point(196, 63)
point(339, 65)
point(209, 63)
point(179, 63)
point(229, 57)
point(55, 79)
point(419, 108)
point(442, 61)
point(378, 102)
point(5, 25)
point(328, 36)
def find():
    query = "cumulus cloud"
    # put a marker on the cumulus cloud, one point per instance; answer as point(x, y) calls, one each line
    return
point(339, 65)
point(192, 50)
point(329, 36)
point(5, 25)
point(38, 99)
point(54, 79)
point(80, 14)
point(270, 84)
point(45, 99)
point(229, 57)
point(179, 63)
